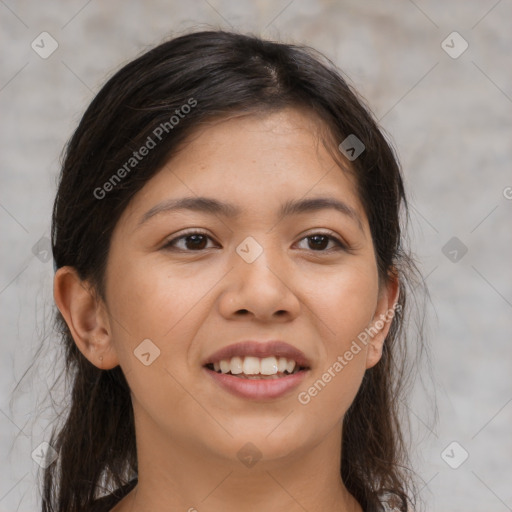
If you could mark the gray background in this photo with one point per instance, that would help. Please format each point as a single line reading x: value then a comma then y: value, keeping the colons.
x: 450, y: 119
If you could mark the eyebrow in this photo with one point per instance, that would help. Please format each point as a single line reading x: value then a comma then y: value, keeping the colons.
x: 214, y: 207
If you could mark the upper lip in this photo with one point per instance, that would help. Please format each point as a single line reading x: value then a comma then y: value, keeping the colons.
x: 259, y: 349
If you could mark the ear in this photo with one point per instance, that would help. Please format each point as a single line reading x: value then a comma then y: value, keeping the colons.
x: 86, y: 318
x: 381, y: 322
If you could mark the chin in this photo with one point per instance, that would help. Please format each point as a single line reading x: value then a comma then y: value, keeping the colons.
x: 251, y: 443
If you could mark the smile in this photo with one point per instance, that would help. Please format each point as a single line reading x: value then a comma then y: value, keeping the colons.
x: 257, y: 370
x: 251, y: 367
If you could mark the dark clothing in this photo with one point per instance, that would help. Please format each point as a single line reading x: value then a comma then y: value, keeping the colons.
x: 106, y: 503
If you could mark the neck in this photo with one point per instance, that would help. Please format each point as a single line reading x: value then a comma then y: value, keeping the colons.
x: 185, y: 476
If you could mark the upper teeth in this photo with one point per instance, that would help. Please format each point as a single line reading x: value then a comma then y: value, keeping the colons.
x: 250, y: 365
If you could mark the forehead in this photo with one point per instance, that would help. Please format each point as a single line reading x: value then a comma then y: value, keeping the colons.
x: 257, y: 162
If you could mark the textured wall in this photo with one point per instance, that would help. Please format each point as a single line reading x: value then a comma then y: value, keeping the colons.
x: 446, y: 107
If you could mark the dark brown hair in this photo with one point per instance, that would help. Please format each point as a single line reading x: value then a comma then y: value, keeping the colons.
x: 218, y: 74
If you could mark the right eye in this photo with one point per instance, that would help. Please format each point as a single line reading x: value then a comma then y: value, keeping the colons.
x: 194, y: 241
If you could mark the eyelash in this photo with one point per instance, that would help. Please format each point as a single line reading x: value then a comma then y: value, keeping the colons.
x: 169, y: 245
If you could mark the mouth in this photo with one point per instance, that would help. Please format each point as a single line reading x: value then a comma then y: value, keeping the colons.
x: 257, y: 370
x: 250, y: 367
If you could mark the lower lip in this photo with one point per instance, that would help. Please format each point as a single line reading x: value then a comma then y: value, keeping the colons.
x: 258, y: 389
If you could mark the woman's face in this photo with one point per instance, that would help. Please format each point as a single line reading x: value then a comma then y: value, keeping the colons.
x: 173, y: 301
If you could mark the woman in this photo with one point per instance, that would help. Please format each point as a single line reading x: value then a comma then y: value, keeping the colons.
x: 231, y: 285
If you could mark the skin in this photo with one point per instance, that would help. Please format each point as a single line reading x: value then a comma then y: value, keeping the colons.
x: 190, y: 304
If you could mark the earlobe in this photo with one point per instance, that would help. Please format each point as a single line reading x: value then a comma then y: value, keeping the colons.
x: 85, y: 318
x: 381, y: 323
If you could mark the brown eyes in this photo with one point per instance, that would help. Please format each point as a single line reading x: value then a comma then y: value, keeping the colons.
x: 196, y: 241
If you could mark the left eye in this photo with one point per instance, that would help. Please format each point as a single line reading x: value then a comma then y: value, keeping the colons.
x: 196, y: 241
x: 319, y: 240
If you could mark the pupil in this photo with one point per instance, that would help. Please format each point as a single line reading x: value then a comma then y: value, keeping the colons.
x: 195, y: 245
x: 316, y: 238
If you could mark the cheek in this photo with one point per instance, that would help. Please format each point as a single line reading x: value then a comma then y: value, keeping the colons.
x: 344, y: 306
x: 148, y: 317
x: 345, y: 302
x: 148, y: 302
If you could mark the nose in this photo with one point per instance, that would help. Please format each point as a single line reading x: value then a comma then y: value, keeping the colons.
x: 263, y: 290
